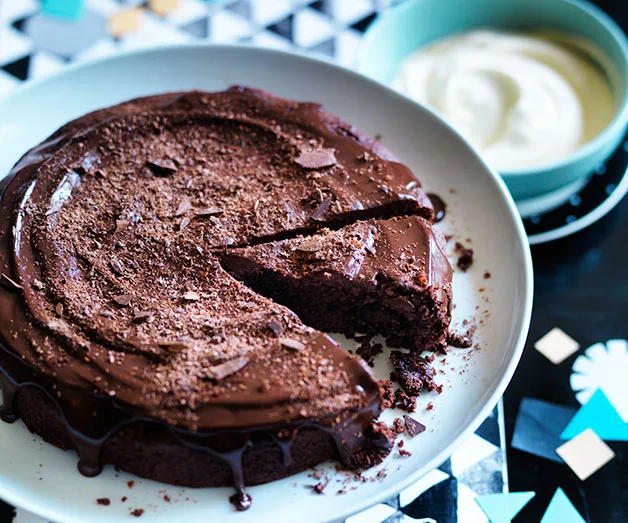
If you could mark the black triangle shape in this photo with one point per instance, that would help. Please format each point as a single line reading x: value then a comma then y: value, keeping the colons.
x: 439, y: 502
x: 19, y: 23
x: 198, y: 28
x: 242, y: 8
x: 7, y: 512
x: 361, y: 25
x: 327, y: 47
x: 489, y: 430
x: 18, y: 68
x: 283, y: 27
x: 322, y: 6
x: 445, y: 467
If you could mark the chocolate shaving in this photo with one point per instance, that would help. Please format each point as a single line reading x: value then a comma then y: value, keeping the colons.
x: 123, y: 300
x: 210, y: 211
x: 10, y: 284
x: 121, y: 225
x: 309, y: 245
x: 184, y: 223
x: 142, y: 316
x: 322, y: 209
x: 117, y: 266
x: 106, y: 314
x: 316, y: 159
x: 38, y: 284
x: 221, y: 371
x: 290, y: 343
x: 275, y: 327
x: 184, y: 207
x: 174, y: 346
x: 59, y: 309
x: 161, y: 167
x: 191, y: 296
x: 413, y: 426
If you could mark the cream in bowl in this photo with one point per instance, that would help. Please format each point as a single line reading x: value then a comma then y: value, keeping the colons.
x: 522, y: 99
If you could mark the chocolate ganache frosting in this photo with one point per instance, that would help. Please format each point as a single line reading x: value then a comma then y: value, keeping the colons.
x: 122, y: 335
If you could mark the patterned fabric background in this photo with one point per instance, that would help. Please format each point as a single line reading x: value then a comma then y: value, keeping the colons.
x: 34, y: 44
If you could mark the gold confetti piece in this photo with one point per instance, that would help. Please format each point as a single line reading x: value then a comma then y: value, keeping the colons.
x: 556, y: 346
x: 585, y: 454
x: 123, y: 22
x: 163, y: 7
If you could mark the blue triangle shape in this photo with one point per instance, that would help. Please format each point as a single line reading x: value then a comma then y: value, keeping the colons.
x: 600, y: 415
x: 561, y: 510
x: 501, y: 508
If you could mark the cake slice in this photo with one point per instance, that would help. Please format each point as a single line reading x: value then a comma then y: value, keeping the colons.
x: 387, y: 277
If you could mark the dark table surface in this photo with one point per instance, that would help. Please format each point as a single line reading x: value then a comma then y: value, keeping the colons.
x: 581, y: 286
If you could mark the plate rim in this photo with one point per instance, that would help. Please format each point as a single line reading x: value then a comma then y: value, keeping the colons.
x: 526, y: 285
x: 599, y: 212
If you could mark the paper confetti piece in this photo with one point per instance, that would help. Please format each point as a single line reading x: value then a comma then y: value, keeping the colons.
x: 561, y: 510
x: 585, y: 454
x: 600, y: 415
x: 70, y: 10
x: 123, y: 22
x: 539, y: 426
x: 163, y: 7
x: 557, y: 346
x: 617, y: 394
x: 603, y: 366
x: 501, y: 508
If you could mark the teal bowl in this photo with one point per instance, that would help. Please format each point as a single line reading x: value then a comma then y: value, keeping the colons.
x: 401, y: 30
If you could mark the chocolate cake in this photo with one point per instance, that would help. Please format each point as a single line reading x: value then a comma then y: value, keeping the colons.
x: 124, y: 337
x: 387, y: 277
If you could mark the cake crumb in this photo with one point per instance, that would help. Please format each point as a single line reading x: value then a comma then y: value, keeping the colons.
x: 404, y: 402
x: 413, y: 373
x: 465, y: 257
x: 130, y: 484
x: 398, y: 427
x: 368, y: 351
x: 319, y: 487
x: 137, y: 512
x: 387, y: 393
x: 103, y: 501
x: 486, y: 275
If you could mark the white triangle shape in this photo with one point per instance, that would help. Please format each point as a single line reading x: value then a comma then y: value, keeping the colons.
x: 311, y: 28
x: 43, y: 64
x: 265, y: 12
x: 352, y: 11
x: 13, y: 45
x: 188, y: 11
x: 227, y: 27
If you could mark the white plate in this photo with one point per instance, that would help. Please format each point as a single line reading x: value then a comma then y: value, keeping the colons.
x: 44, y: 480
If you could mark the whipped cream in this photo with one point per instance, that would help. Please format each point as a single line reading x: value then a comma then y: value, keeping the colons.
x: 523, y: 100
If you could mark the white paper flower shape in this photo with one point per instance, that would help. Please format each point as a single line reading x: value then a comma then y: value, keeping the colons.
x: 603, y: 366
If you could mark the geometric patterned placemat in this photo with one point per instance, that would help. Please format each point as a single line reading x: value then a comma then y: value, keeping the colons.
x: 33, y: 45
